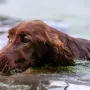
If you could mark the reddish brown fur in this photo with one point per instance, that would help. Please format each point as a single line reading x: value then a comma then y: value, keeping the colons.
x: 35, y: 43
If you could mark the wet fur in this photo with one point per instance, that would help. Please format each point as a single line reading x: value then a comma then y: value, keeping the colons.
x: 45, y: 45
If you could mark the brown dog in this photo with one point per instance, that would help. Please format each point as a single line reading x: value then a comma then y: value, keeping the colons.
x: 35, y: 43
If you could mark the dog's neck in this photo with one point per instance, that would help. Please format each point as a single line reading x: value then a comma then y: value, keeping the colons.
x: 80, y: 48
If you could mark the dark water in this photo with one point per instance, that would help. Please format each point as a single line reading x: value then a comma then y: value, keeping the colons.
x: 47, y: 78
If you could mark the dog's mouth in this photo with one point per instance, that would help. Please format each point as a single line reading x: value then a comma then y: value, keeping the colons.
x: 12, y: 69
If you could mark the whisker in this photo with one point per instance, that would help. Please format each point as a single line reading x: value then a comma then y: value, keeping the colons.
x: 8, y: 69
x: 4, y: 68
x: 1, y: 62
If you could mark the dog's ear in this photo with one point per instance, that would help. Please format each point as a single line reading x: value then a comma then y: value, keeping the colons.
x: 40, y: 39
x: 62, y: 55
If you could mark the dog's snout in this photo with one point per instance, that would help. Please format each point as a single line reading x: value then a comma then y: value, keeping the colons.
x: 3, y: 62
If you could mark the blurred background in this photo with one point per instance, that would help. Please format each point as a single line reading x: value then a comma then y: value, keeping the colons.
x: 72, y: 15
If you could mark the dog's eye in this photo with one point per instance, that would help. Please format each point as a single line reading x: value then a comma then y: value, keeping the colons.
x: 24, y: 39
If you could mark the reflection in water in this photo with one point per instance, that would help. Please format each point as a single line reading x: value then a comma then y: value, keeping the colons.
x: 13, y: 87
x: 40, y: 85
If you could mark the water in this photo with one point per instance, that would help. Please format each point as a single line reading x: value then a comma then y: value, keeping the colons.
x: 71, y: 17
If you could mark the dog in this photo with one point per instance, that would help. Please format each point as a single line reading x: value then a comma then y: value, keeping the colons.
x: 34, y: 43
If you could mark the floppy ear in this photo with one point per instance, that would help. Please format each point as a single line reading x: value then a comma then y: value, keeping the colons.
x: 39, y: 47
x: 58, y: 53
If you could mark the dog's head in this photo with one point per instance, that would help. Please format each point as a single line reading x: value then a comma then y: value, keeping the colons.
x: 25, y: 46
x: 31, y: 44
